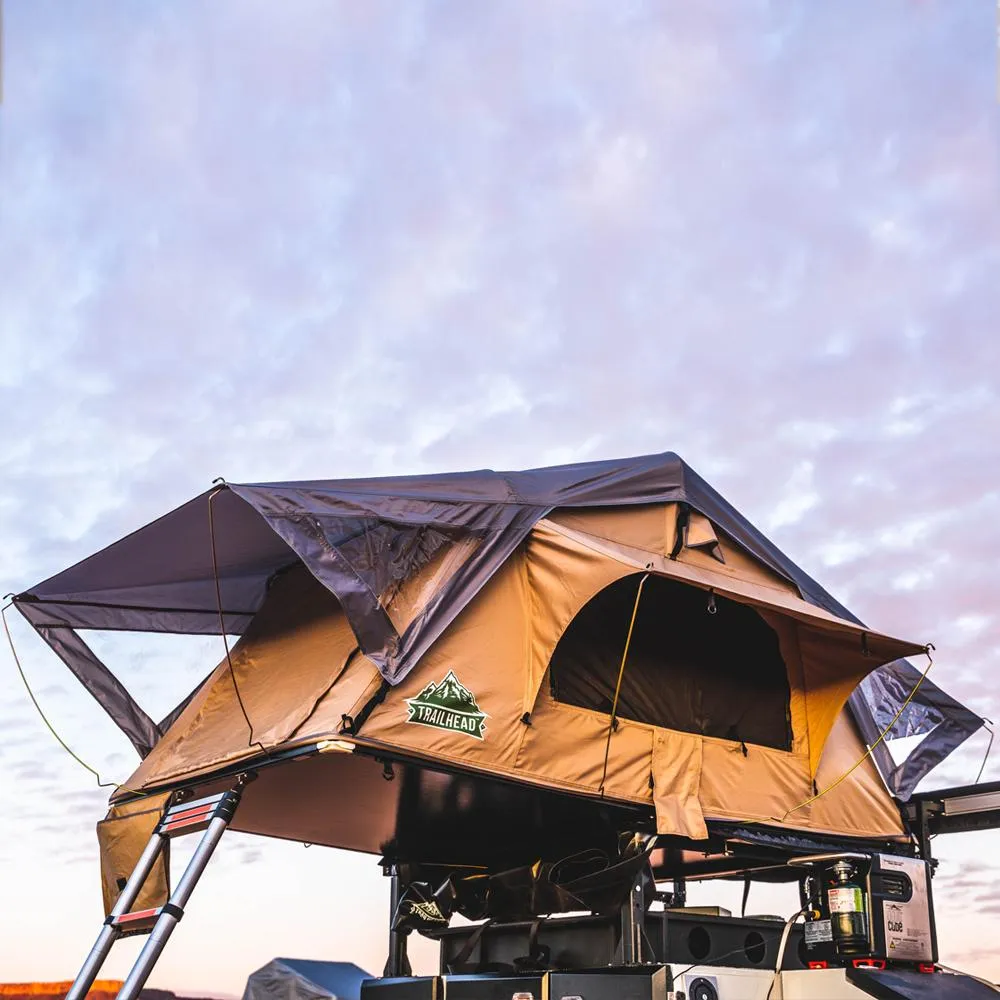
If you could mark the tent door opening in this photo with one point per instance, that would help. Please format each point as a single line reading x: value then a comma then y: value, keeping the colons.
x: 698, y: 662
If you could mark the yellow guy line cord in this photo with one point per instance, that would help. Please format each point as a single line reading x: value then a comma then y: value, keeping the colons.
x: 44, y: 717
x: 251, y: 742
x: 868, y: 752
x: 222, y: 626
x: 618, y: 685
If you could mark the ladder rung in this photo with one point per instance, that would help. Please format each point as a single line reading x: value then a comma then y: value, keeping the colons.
x: 186, y: 817
x: 209, y: 801
x: 187, y: 825
x: 137, y: 922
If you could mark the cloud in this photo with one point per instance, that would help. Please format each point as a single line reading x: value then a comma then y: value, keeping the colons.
x: 361, y: 239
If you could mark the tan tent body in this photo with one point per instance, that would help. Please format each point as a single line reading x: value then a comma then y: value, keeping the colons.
x: 299, y: 674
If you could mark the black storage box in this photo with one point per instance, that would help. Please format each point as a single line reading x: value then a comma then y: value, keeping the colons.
x: 622, y: 983
x: 403, y: 988
x: 494, y: 987
x: 589, y: 942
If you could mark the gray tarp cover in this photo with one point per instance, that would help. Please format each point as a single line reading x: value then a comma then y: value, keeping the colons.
x: 359, y: 537
x: 302, y: 979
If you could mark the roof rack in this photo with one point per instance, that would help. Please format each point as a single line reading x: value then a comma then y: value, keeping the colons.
x: 961, y: 809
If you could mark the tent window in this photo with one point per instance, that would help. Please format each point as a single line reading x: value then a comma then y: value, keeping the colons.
x: 716, y: 674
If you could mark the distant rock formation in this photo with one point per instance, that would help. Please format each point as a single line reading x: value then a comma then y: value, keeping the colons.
x: 103, y: 989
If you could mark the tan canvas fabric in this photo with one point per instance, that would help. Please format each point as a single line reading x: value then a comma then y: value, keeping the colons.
x: 701, y: 535
x: 768, y: 786
x: 565, y: 745
x: 122, y: 837
x: 295, y: 648
x: 835, y: 654
x: 787, y: 632
x: 832, y: 668
x: 356, y: 684
x: 651, y: 528
x: 756, y: 787
x: 410, y: 597
x: 485, y: 650
x: 860, y: 805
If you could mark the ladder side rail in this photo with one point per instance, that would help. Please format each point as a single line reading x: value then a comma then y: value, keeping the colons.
x: 110, y: 932
x: 171, y: 914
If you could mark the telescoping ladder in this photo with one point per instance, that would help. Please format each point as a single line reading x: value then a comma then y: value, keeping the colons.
x: 213, y: 815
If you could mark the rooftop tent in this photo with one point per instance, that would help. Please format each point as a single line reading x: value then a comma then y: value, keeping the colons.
x: 302, y: 979
x: 470, y: 635
x: 367, y: 541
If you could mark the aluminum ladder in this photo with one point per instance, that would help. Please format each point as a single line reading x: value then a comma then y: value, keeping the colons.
x: 213, y: 815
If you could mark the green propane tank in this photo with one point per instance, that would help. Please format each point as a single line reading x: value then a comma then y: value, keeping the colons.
x: 848, y: 912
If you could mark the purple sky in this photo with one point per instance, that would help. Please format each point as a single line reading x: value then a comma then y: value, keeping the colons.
x: 317, y: 238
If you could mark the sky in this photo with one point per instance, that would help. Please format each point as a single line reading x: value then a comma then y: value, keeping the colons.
x: 322, y: 238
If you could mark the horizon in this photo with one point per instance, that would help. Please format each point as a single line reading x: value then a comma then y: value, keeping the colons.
x: 350, y: 240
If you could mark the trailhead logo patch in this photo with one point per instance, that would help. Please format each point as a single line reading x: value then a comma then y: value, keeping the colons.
x: 449, y: 705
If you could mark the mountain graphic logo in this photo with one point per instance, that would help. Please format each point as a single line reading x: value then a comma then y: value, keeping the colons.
x: 449, y: 705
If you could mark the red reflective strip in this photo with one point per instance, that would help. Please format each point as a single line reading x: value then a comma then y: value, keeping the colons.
x: 868, y: 963
x: 172, y: 824
x: 926, y: 967
x: 192, y: 825
x: 819, y: 965
x: 172, y: 817
x: 127, y: 918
